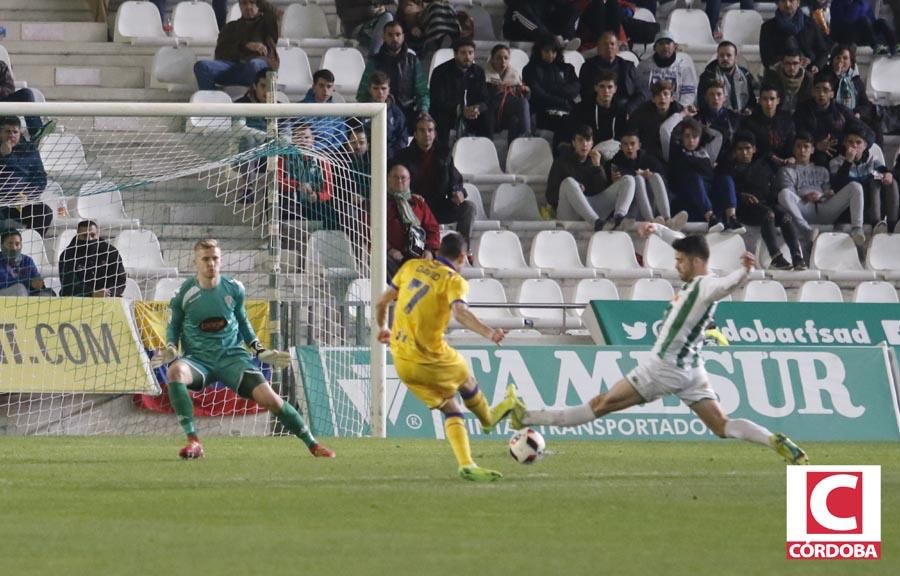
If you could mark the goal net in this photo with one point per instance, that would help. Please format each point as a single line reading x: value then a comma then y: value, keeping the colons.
x: 288, y: 190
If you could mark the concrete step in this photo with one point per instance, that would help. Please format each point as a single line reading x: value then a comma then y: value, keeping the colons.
x: 45, y: 31
x: 153, y: 213
x: 104, y: 94
x: 73, y: 13
x: 219, y: 231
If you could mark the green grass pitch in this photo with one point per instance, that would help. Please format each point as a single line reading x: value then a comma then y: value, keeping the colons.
x: 263, y: 506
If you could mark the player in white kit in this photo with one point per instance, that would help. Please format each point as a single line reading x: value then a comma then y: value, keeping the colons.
x: 676, y: 366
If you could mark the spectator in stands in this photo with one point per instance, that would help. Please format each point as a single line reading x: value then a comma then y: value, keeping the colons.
x: 714, y: 7
x: 19, y: 275
x: 412, y: 229
x: 408, y: 14
x: 8, y: 93
x: 579, y: 189
x: 380, y: 92
x: 667, y: 64
x: 754, y: 183
x: 851, y: 88
x: 648, y: 172
x: 305, y: 182
x: 857, y: 163
x: 244, y: 47
x: 628, y: 95
x: 772, y: 128
x: 554, y: 87
x: 791, y: 79
x: 364, y: 20
x: 740, y: 85
x: 805, y: 191
x: 91, y: 266
x: 602, y: 113
x: 649, y: 117
x: 408, y: 78
x: 716, y: 115
x: 791, y: 27
x: 532, y: 20
x: 360, y: 165
x: 330, y: 131
x: 22, y: 180
x: 508, y: 102
x: 257, y: 93
x: 459, y: 95
x: 694, y: 185
x: 854, y: 22
x: 434, y: 176
x: 440, y: 27
x: 597, y: 18
x: 825, y: 119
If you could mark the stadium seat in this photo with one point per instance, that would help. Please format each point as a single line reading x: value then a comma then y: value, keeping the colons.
x: 359, y: 296
x: 515, y: 207
x: 305, y: 25
x: 764, y: 261
x: 612, y: 255
x: 630, y: 56
x: 140, y: 23
x: 490, y: 291
x: 644, y: 15
x: 173, y: 66
x: 545, y: 291
x: 61, y: 242
x: 166, y: 288
x: 102, y: 202
x: 725, y: 250
x: 53, y: 283
x: 132, y: 290
x: 690, y: 28
x: 63, y: 157
x: 741, y: 27
x: 347, y: 64
x: 518, y: 59
x: 574, y: 58
x: 294, y: 73
x: 500, y: 254
x: 329, y: 254
x: 209, y: 123
x: 476, y: 159
x: 142, y: 254
x: 54, y: 197
x: 652, y: 289
x: 660, y: 257
x: 883, y: 256
x: 883, y: 85
x: 529, y: 159
x: 440, y: 56
x: 33, y: 246
x: 196, y: 23
x: 764, y: 291
x: 555, y: 252
x: 594, y: 289
x: 876, y: 291
x: 234, y: 13
x: 835, y: 255
x: 819, y: 291
x: 484, y: 26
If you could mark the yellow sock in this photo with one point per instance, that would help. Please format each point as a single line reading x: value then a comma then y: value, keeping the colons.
x: 477, y: 405
x: 455, y: 428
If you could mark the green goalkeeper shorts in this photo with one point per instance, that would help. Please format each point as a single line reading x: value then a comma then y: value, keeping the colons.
x: 229, y: 370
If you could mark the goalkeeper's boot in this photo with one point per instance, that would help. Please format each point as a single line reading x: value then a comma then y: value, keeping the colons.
x: 503, y: 408
x: 788, y: 450
x: 475, y: 474
x: 320, y: 451
x: 192, y: 451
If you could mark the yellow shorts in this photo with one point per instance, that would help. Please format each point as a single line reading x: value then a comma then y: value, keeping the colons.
x: 436, y: 382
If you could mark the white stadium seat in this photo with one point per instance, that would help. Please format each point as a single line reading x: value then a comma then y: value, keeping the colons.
x: 61, y: 242
x: 612, y: 254
x: 140, y: 23
x: 500, y: 254
x: 555, y: 252
x: 166, y: 288
x: 883, y: 256
x: 142, y: 254
x: 234, y: 13
x: 63, y: 157
x: 819, y: 291
x: 359, y: 292
x: 173, y: 66
x: 659, y: 257
x: 595, y: 289
x: 765, y: 291
x: 835, y: 255
x: 741, y: 27
x: 545, y: 291
x: 630, y: 56
x: 484, y: 27
x: 33, y: 246
x: 529, y: 159
x: 490, y: 291
x: 209, y: 123
x: 518, y: 59
x: 725, y: 250
x: 102, y: 202
x: 690, y: 28
x: 476, y: 159
x: 574, y: 58
x: 306, y: 25
x: 329, y: 254
x: 347, y: 64
x: 883, y: 85
x: 515, y: 206
x: 294, y: 73
x: 440, y: 56
x: 132, y: 290
x: 876, y: 291
x: 195, y: 22
x: 652, y: 289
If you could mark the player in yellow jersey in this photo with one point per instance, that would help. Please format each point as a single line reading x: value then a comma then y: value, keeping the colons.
x: 426, y: 291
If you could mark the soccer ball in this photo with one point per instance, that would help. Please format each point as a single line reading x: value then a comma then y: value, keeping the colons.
x: 526, y: 446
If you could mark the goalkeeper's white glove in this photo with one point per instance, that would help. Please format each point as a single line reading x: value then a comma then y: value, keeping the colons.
x: 164, y: 357
x: 276, y: 358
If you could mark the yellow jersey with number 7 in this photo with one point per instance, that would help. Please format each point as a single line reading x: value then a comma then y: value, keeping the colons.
x: 426, y: 291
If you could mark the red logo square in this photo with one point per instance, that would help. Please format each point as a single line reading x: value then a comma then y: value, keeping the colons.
x: 834, y: 502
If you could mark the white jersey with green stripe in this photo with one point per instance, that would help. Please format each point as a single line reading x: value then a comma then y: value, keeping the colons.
x: 681, y: 335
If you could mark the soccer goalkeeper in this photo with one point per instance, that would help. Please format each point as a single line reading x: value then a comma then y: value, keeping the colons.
x: 210, y: 322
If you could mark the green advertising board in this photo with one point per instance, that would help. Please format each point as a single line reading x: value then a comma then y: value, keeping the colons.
x: 833, y: 393
x: 632, y: 323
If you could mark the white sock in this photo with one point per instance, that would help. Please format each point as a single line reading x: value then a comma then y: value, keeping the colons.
x: 747, y: 430
x: 574, y: 416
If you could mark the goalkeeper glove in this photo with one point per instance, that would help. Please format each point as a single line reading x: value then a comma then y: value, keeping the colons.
x: 276, y: 358
x: 164, y: 357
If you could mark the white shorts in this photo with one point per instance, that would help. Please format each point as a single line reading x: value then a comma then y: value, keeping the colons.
x: 655, y: 378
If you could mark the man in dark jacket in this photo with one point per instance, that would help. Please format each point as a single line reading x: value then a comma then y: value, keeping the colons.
x: 826, y: 120
x: 528, y: 20
x: 363, y: 20
x: 788, y: 25
x: 772, y: 128
x: 459, y: 94
x: 409, y: 80
x: 627, y: 94
x: 740, y: 85
x: 91, y: 266
x: 22, y: 180
x: 716, y: 115
x: 602, y: 113
x: 649, y: 117
x: 434, y: 177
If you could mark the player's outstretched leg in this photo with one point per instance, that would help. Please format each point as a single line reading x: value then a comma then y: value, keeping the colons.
x: 184, y: 410
x: 511, y: 406
x: 293, y: 421
x: 792, y: 453
x: 455, y: 428
x: 475, y: 401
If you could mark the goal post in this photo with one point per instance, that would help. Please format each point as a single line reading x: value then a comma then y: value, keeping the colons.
x: 126, y: 166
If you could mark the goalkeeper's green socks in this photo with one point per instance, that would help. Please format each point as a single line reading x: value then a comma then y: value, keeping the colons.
x: 184, y: 407
x: 293, y: 421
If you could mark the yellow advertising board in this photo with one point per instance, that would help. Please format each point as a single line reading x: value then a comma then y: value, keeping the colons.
x: 86, y: 345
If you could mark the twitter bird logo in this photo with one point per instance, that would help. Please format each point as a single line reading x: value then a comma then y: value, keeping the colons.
x: 636, y: 331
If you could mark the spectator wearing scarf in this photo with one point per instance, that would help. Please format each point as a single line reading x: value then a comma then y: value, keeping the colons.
x: 405, y: 209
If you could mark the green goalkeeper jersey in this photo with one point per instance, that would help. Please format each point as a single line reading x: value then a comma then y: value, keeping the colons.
x: 210, y: 323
